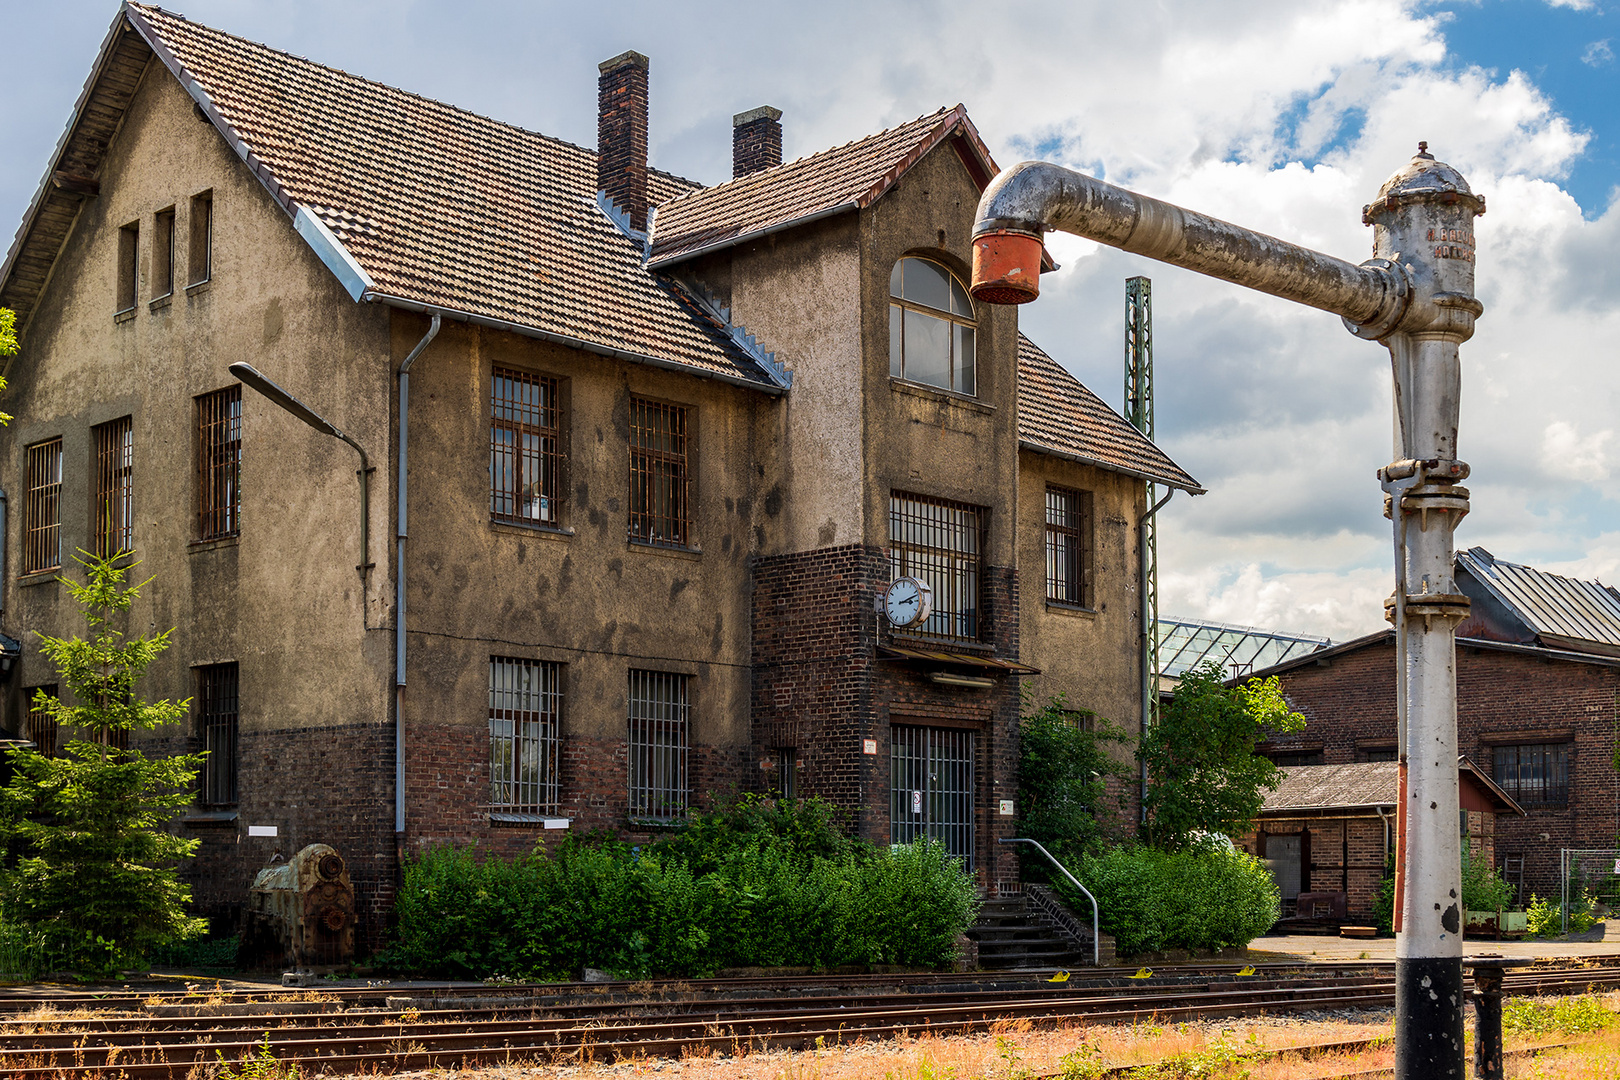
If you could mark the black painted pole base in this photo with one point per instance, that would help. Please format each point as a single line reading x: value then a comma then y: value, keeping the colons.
x: 1429, y: 1018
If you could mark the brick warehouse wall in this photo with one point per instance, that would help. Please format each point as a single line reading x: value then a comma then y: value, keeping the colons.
x: 821, y: 689
x: 343, y: 797
x: 1501, y: 698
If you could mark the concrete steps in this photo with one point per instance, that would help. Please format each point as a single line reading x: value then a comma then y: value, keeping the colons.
x: 1011, y: 937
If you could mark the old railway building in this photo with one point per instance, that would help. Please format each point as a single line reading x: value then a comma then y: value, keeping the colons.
x: 634, y: 508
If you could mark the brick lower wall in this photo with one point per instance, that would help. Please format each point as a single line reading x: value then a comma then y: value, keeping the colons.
x: 317, y: 785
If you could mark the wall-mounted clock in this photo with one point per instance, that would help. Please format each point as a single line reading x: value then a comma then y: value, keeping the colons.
x: 908, y: 602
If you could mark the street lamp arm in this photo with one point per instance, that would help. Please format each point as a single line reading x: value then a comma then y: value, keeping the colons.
x: 251, y: 376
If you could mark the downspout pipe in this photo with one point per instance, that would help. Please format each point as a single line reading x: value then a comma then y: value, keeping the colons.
x: 1147, y: 634
x: 399, y: 572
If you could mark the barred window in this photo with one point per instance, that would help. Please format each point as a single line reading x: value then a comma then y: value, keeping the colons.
x: 219, y: 463
x: 1536, y: 774
x: 115, y: 490
x: 658, y: 474
x: 525, y: 448
x: 218, y: 708
x: 525, y: 706
x: 660, y: 713
x: 931, y: 327
x: 42, y: 728
x: 1068, y: 546
x: 42, y: 509
x: 931, y: 788
x: 939, y: 542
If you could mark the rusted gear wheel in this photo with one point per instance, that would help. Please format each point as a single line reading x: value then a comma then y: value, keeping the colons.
x: 334, y: 919
x: 330, y: 866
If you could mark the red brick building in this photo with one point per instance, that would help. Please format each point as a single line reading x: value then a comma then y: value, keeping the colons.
x: 1538, y: 708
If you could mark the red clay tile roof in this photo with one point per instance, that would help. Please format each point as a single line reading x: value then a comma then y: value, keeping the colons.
x: 443, y: 208
x: 1058, y: 415
x: 848, y: 177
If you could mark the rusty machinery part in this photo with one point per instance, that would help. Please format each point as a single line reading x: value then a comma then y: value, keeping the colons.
x: 330, y: 866
x: 334, y: 918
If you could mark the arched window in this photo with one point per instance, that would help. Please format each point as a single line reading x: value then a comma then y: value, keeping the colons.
x: 930, y: 326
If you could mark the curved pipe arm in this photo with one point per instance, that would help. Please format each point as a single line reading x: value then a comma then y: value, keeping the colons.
x: 1035, y: 197
x: 1096, y: 933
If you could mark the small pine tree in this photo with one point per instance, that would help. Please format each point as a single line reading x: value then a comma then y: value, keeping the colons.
x: 94, y: 867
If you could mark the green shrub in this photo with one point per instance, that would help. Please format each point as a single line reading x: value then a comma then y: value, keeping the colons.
x: 1066, y: 759
x: 1151, y: 900
x: 728, y: 897
x: 1483, y: 887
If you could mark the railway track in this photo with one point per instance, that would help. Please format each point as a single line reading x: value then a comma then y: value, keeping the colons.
x: 386, y: 1029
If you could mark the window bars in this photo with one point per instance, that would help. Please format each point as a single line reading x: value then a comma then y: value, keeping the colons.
x: 931, y: 788
x: 115, y: 488
x: 525, y: 707
x: 219, y: 463
x: 659, y: 720
x: 42, y: 727
x: 525, y: 448
x: 939, y: 542
x: 42, y: 509
x: 659, y: 483
x: 1537, y: 774
x: 217, y: 700
x: 1068, y: 546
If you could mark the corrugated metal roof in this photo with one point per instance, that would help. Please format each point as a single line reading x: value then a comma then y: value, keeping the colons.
x: 1183, y: 644
x: 1550, y: 604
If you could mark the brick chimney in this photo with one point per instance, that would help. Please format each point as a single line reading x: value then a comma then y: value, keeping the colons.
x: 621, y: 134
x: 756, y: 140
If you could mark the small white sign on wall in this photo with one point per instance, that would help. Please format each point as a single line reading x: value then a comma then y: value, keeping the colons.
x: 261, y: 830
x: 869, y: 746
x: 916, y: 802
x: 1006, y: 808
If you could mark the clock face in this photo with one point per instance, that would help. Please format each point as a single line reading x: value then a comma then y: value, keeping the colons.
x: 908, y: 602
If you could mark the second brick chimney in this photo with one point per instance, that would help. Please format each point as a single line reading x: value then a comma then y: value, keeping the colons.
x: 621, y: 135
x: 756, y: 140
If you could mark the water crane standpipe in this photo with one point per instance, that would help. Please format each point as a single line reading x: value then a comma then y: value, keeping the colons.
x: 1416, y: 296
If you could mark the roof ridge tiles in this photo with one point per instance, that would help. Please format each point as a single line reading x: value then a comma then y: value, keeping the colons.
x: 145, y: 9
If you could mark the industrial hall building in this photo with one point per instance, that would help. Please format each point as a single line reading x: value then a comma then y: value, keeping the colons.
x: 674, y: 491
x: 1538, y: 713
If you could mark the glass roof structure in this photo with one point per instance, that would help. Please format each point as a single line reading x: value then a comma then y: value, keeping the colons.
x: 1241, y: 650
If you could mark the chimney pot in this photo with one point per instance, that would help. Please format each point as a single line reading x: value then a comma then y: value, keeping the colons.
x: 621, y: 134
x: 756, y: 140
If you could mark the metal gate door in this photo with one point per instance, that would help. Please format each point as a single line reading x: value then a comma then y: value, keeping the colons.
x: 931, y: 788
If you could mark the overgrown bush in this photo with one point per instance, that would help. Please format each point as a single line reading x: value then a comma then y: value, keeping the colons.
x: 1066, y: 758
x: 760, y: 886
x: 1483, y: 887
x: 1200, y: 898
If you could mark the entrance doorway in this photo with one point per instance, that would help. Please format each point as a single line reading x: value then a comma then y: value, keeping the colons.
x: 931, y: 787
x: 1283, y: 860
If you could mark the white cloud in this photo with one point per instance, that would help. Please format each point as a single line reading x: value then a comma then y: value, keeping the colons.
x: 1598, y: 53
x: 1569, y: 455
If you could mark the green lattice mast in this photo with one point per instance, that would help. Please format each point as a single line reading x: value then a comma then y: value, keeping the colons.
x: 1139, y: 411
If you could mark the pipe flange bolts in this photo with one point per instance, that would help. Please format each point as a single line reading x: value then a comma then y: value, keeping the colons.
x: 1430, y: 606
x: 1392, y: 310
x: 330, y: 866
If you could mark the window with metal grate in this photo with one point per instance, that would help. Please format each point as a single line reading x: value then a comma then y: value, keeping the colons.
x: 525, y: 708
x: 660, y: 713
x: 659, y: 478
x: 115, y: 487
x: 931, y: 787
x: 42, y: 727
x: 1536, y: 774
x: 219, y: 464
x: 42, y: 509
x: 939, y: 542
x: 525, y: 449
x: 218, y: 706
x: 1068, y: 546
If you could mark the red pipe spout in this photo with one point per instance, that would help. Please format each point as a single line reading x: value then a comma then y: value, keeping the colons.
x: 1006, y: 267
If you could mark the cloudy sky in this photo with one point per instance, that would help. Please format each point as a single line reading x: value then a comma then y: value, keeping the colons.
x: 1283, y: 115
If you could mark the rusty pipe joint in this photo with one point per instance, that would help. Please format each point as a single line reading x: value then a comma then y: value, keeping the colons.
x: 1033, y: 198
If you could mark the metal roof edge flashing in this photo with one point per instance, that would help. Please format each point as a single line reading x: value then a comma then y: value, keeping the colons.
x: 1140, y: 474
x: 330, y: 250
x: 621, y: 221
x: 375, y: 297
x: 745, y: 341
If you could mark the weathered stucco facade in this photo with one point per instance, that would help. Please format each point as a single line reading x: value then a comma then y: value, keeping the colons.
x: 763, y: 609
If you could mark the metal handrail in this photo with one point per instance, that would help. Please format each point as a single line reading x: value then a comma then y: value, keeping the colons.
x: 1096, y: 932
